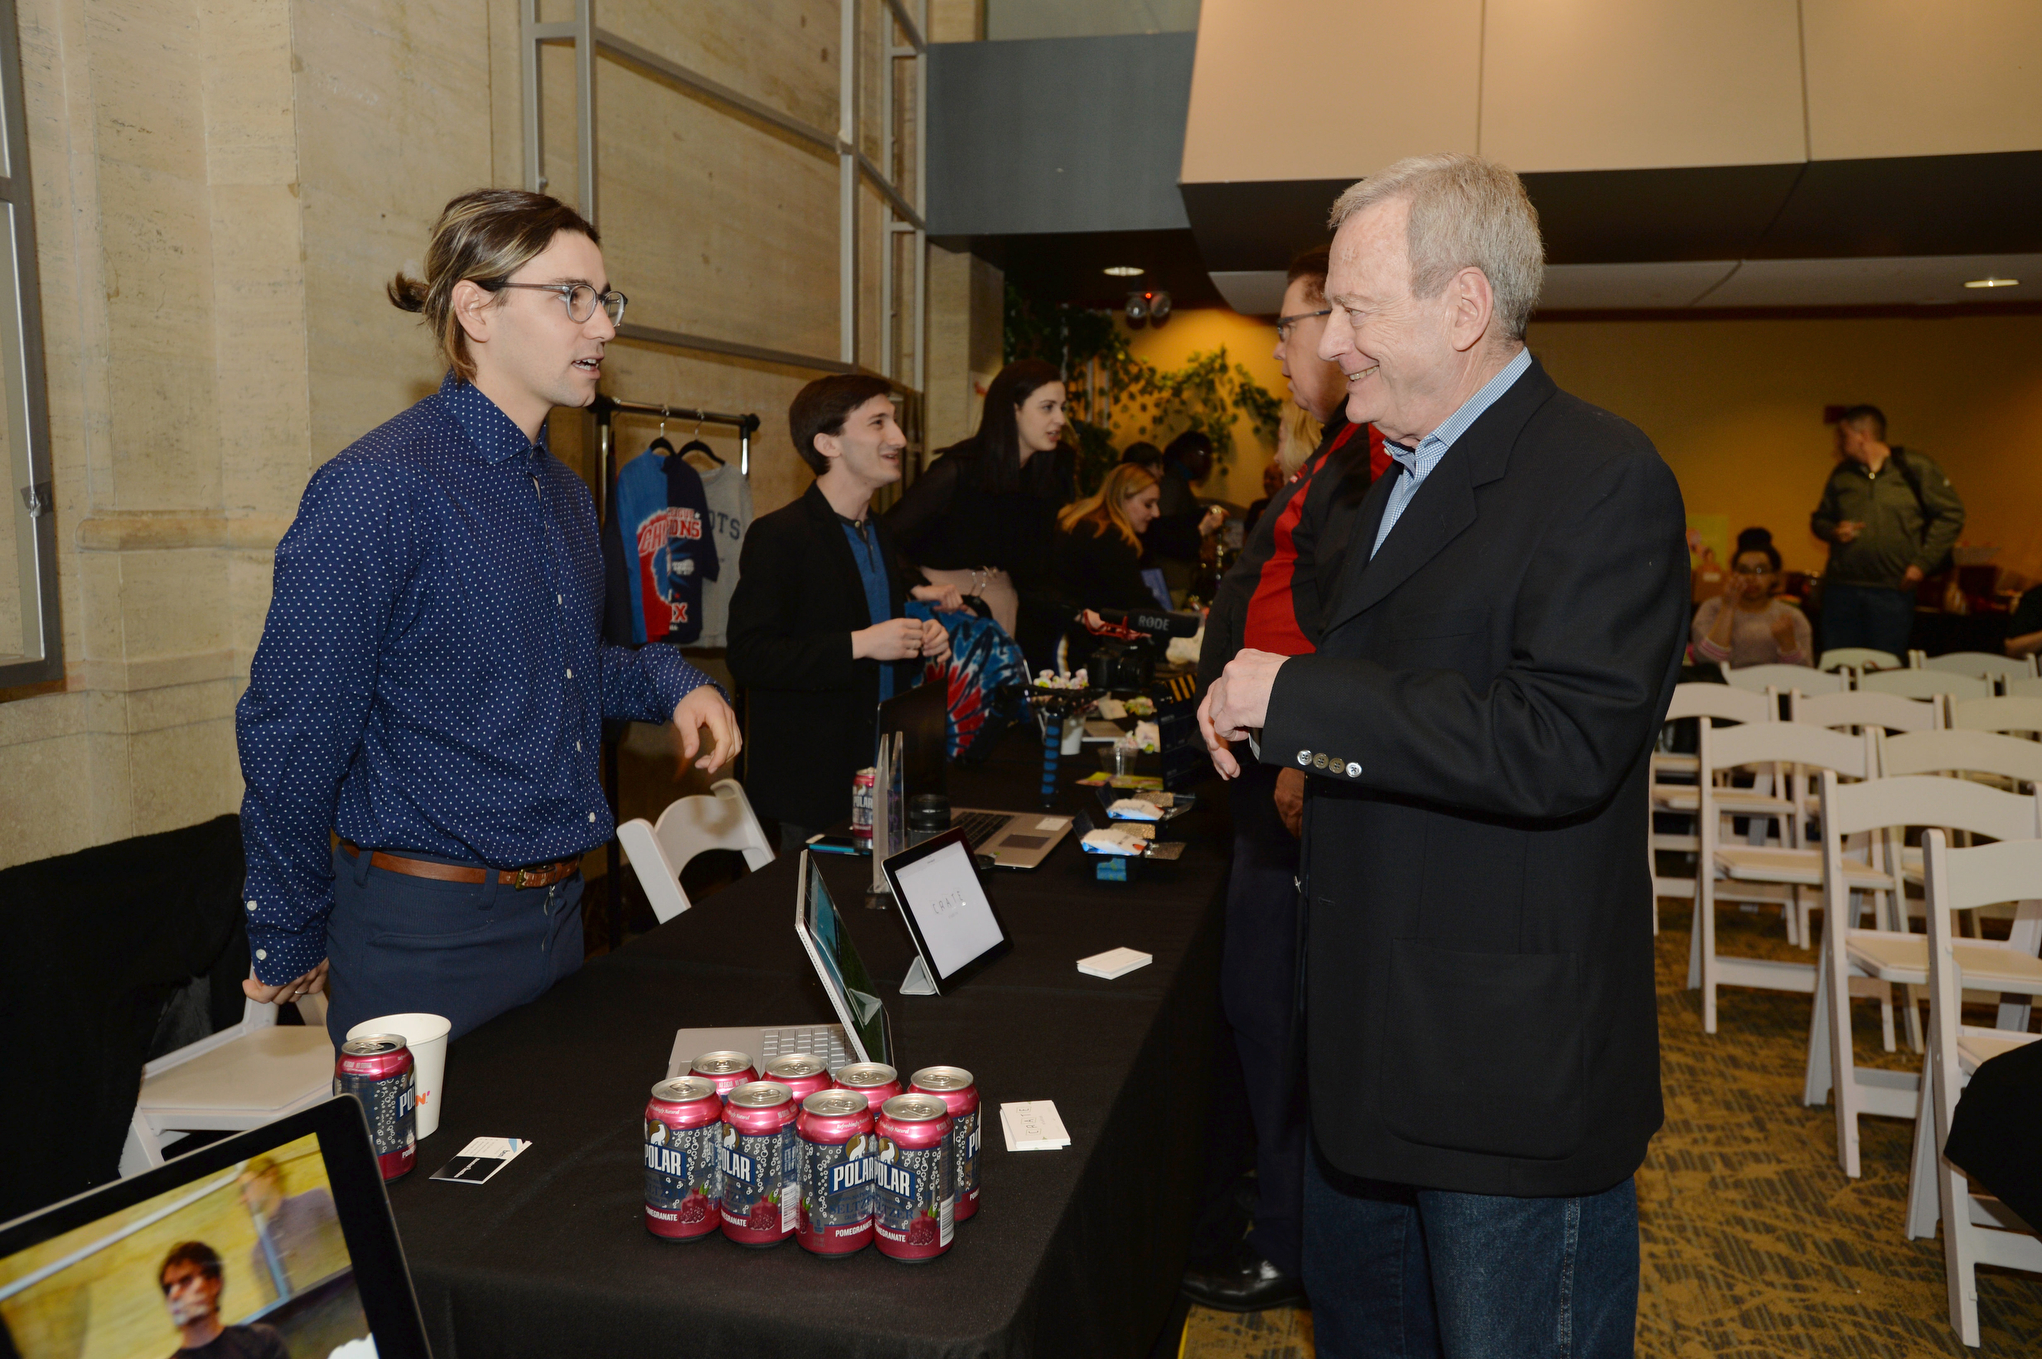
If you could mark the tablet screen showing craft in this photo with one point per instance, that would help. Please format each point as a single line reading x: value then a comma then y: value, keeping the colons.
x: 950, y: 906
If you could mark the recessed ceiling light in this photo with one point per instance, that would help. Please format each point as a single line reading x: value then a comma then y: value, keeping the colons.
x: 1134, y: 271
x: 1993, y: 283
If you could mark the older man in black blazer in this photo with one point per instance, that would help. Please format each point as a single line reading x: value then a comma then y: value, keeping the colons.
x: 1481, y: 1030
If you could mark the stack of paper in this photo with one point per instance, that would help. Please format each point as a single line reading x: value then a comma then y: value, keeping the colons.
x: 1115, y: 962
x: 1033, y: 1126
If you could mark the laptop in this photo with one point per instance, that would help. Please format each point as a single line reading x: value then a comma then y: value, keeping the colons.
x: 1010, y: 839
x: 863, y: 1032
x: 280, y: 1236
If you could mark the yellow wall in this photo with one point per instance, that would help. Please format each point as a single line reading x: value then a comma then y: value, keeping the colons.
x: 1248, y: 342
x: 1735, y: 406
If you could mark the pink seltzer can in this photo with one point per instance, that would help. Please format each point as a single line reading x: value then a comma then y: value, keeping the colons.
x: 835, y: 1142
x: 724, y: 1070
x: 802, y: 1073
x: 876, y: 1081
x: 913, y: 1191
x: 683, y: 1123
x: 759, y: 1164
x: 959, y: 1093
x: 377, y: 1070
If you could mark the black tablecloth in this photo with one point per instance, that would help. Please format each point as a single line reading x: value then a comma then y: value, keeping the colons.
x: 1076, y: 1251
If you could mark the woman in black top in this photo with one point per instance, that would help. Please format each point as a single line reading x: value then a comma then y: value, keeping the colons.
x: 983, y: 516
x: 1097, y: 560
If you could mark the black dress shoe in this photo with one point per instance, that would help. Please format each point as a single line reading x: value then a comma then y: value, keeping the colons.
x: 1245, y: 1283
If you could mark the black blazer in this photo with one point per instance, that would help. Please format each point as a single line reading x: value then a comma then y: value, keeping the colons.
x: 1094, y: 568
x: 1480, y: 1011
x: 811, y: 711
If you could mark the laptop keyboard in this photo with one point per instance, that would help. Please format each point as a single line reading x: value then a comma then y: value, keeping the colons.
x: 979, y: 827
x: 826, y: 1043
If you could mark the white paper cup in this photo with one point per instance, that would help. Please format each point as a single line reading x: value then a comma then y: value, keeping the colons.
x: 426, y: 1036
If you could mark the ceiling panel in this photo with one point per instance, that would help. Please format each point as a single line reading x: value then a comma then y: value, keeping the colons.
x: 1903, y: 281
x: 1626, y: 287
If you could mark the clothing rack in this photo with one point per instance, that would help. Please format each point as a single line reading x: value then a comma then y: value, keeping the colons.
x: 606, y: 409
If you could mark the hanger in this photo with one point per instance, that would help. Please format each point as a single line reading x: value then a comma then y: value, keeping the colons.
x: 695, y: 445
x: 660, y: 444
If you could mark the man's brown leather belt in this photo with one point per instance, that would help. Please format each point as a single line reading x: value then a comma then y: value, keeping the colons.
x: 538, y: 875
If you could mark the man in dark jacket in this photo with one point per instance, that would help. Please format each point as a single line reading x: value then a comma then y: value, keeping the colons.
x: 1890, y: 518
x: 1481, y: 1025
x: 817, y: 636
x: 1271, y: 600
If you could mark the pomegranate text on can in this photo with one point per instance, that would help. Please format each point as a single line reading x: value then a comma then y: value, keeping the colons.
x: 802, y: 1073
x: 724, y: 1070
x: 683, y: 1126
x: 756, y: 1156
x: 959, y: 1093
x: 377, y: 1070
x: 876, y: 1081
x: 835, y: 1142
x: 913, y: 1194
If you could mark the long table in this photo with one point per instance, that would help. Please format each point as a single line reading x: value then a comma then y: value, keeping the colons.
x: 1077, y: 1251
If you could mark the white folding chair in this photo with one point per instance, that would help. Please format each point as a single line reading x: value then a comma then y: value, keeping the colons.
x: 1977, y: 1229
x: 718, y: 819
x: 1890, y: 954
x: 1783, y: 745
x: 1925, y: 683
x: 1753, y: 678
x: 2024, y: 688
x: 2017, y: 712
x: 1981, y: 665
x: 1862, y: 708
x: 241, y: 1077
x: 1703, y: 702
x: 1858, y: 658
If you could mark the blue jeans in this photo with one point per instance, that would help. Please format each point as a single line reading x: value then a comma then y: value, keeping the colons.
x: 1401, y: 1273
x: 1867, y: 615
x: 405, y: 945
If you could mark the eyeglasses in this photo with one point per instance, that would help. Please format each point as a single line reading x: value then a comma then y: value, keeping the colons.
x: 1286, y: 324
x: 581, y: 299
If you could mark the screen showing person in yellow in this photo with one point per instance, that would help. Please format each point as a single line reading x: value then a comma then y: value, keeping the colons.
x: 248, y: 1264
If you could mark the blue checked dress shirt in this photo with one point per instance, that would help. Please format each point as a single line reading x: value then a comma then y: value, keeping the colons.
x: 432, y: 675
x: 1418, y: 462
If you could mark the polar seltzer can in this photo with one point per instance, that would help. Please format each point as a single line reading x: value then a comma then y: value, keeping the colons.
x: 724, y: 1070
x: 683, y: 1127
x: 959, y: 1093
x: 760, y: 1168
x: 913, y: 1192
x: 835, y: 1142
x: 802, y: 1073
x: 876, y: 1081
x: 377, y: 1070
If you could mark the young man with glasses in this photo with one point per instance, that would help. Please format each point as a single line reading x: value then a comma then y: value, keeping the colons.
x: 431, y: 683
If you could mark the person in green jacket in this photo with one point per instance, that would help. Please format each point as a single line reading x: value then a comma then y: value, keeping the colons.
x: 1890, y: 518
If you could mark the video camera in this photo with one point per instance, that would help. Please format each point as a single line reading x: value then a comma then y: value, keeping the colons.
x: 1130, y: 641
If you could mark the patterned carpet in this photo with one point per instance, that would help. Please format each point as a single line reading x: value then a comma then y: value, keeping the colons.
x: 1754, y: 1243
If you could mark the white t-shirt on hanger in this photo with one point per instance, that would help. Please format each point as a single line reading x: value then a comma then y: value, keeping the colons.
x: 729, y: 493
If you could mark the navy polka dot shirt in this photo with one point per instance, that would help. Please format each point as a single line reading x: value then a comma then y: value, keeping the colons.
x: 432, y: 675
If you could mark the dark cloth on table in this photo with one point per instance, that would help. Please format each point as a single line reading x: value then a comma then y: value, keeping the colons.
x: 810, y: 708
x: 254, y: 1341
x: 97, y: 944
x: 2027, y: 614
x: 1480, y: 1012
x: 1075, y: 1252
x: 432, y: 675
x: 1993, y: 1136
x: 1096, y: 568
x: 401, y: 944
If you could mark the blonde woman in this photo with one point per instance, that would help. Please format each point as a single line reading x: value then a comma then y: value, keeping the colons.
x: 1096, y: 561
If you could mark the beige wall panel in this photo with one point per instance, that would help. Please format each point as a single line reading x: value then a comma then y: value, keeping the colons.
x: 949, y: 371
x: 782, y: 53
x: 172, y: 603
x: 1963, y: 389
x: 183, y: 775
x: 1903, y: 78
x: 1329, y: 89
x: 251, y: 127
x: 259, y: 350
x: 47, y: 807
x: 159, y: 332
x: 394, y: 119
x: 146, y: 83
x: 1631, y: 84
x: 956, y: 20
x: 715, y: 227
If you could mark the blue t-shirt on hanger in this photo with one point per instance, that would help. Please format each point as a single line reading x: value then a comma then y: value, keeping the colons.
x: 661, y: 520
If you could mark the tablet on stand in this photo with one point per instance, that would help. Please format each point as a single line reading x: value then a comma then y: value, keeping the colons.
x: 944, y: 905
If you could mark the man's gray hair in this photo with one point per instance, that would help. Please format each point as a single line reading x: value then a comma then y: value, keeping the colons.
x: 1465, y: 211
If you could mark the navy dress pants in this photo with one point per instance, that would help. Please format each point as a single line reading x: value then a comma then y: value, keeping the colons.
x: 1259, y: 989
x: 400, y: 945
